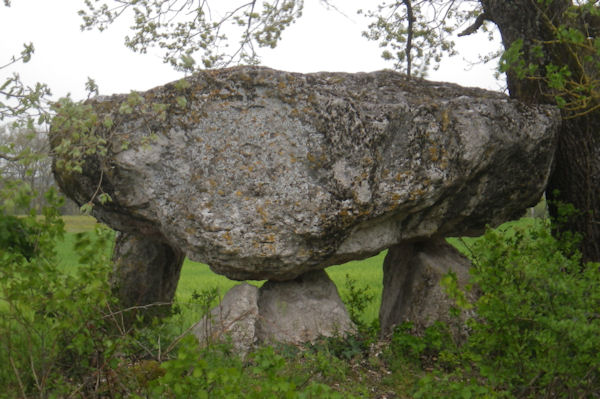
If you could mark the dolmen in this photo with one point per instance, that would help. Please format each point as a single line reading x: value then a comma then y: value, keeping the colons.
x: 270, y: 175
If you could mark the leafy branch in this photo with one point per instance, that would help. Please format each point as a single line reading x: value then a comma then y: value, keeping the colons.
x: 573, y: 84
x: 416, y: 34
x: 186, y: 30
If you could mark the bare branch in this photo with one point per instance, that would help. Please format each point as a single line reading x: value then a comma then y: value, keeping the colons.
x: 11, y: 158
x: 409, y: 35
x: 476, y: 25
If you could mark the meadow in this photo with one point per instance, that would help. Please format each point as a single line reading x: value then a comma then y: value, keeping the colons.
x: 535, y: 334
x: 197, y: 277
x: 366, y: 275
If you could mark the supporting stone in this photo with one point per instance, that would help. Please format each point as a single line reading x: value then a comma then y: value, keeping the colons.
x: 412, y: 292
x: 301, y: 310
x: 293, y: 312
x: 146, y: 271
x: 235, y: 317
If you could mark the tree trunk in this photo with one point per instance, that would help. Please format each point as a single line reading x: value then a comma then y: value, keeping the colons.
x: 576, y: 181
x: 576, y: 175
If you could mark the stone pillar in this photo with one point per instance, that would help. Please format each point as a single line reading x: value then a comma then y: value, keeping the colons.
x: 411, y: 285
x: 146, y: 271
x: 301, y: 310
x: 294, y: 312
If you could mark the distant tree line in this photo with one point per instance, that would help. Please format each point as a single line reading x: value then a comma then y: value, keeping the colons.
x: 28, y: 168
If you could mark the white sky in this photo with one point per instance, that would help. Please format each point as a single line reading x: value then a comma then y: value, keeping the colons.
x: 323, y: 40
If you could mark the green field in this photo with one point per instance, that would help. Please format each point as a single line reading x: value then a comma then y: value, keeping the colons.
x: 197, y: 276
x: 529, y: 289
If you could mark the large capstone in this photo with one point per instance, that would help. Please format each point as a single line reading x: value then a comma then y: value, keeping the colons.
x: 264, y: 174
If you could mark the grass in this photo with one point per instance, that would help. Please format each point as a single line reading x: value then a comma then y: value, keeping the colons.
x: 79, y: 223
x: 359, y: 365
x: 196, y: 277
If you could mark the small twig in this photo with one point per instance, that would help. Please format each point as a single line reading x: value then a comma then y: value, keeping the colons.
x: 476, y: 25
x: 99, y: 187
x: 11, y: 158
x: 137, y: 307
x: 35, y: 377
x: 12, y: 363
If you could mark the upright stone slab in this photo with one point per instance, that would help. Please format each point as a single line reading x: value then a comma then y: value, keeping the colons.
x: 294, y: 312
x: 233, y: 319
x: 146, y: 272
x: 412, y: 273
x: 301, y: 310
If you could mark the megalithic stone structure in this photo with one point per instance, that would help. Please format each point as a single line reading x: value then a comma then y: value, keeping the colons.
x: 264, y: 174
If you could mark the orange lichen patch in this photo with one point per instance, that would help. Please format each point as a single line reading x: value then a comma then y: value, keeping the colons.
x: 262, y: 213
x: 227, y: 237
x: 270, y: 238
x: 311, y: 157
x: 416, y: 193
x: 433, y: 153
x: 445, y: 120
x: 402, y: 175
x: 238, y: 193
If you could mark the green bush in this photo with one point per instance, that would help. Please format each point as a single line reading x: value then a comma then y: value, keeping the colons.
x: 536, y: 333
x: 213, y: 372
x: 55, y: 327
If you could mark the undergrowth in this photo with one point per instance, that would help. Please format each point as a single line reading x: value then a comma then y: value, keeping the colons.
x: 535, y: 333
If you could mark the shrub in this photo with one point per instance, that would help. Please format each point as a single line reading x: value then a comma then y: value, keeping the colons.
x: 538, y: 318
x: 57, y: 333
x: 356, y: 300
x: 205, y: 372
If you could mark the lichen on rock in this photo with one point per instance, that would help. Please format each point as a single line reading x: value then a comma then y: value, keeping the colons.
x: 264, y: 174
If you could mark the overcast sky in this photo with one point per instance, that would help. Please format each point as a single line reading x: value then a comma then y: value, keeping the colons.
x: 323, y: 40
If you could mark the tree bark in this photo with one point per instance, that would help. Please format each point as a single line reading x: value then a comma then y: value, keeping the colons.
x: 576, y: 181
x: 576, y: 174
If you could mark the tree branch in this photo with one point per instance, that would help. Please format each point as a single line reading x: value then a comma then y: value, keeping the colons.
x: 11, y: 158
x: 409, y: 35
x: 476, y: 25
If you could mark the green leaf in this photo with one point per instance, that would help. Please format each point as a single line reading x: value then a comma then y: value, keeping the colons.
x: 181, y: 101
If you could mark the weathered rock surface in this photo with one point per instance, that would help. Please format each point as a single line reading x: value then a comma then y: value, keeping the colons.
x: 264, y: 174
x: 234, y: 318
x: 146, y: 271
x: 301, y: 310
x: 297, y: 311
x: 412, y: 273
